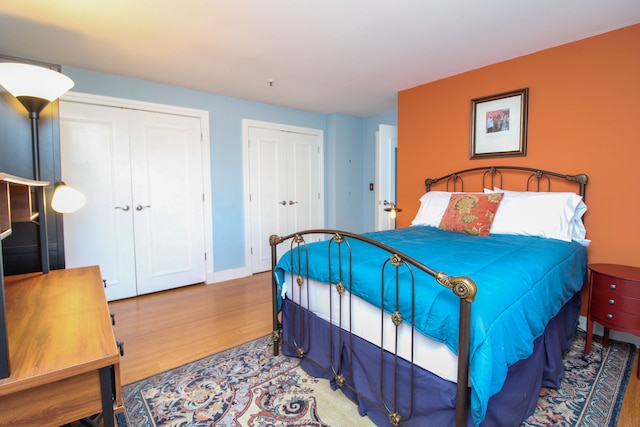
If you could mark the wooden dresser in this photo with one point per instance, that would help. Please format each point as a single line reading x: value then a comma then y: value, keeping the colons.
x: 62, y: 350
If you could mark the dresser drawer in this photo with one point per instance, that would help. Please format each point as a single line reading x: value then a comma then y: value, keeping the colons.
x: 615, y: 318
x: 615, y: 284
x: 615, y: 301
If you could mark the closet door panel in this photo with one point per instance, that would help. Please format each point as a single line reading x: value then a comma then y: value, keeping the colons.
x: 268, y: 192
x: 95, y: 160
x: 303, y: 189
x: 167, y: 200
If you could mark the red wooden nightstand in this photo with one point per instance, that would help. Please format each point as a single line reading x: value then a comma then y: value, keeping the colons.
x: 614, y: 301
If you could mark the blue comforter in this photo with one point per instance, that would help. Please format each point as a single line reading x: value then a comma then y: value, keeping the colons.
x: 522, y: 283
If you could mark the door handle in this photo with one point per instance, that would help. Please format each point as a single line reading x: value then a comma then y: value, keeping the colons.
x: 291, y: 202
x: 283, y: 203
x: 140, y: 207
x: 123, y: 207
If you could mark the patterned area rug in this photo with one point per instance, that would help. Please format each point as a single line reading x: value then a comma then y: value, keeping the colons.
x: 247, y: 386
x: 591, y: 392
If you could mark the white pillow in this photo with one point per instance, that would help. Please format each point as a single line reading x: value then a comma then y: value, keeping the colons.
x: 432, y: 207
x: 550, y: 215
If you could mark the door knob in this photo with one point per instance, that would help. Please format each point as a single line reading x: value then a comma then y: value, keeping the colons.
x: 291, y: 202
x: 140, y: 207
x: 123, y: 207
x: 283, y: 203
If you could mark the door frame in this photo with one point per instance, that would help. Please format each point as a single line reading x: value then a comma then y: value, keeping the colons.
x: 381, y: 159
x: 246, y: 124
x: 203, y: 116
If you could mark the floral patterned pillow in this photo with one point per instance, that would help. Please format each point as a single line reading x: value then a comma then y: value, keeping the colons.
x: 471, y: 213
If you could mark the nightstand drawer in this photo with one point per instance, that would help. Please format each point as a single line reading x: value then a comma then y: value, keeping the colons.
x: 615, y: 301
x: 603, y: 282
x: 614, y: 318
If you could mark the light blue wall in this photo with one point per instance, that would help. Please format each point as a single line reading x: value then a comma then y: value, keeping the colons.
x: 346, y: 158
x: 350, y: 153
x: 343, y: 172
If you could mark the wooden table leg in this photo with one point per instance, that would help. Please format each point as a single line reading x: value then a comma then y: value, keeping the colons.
x: 587, y: 344
x: 605, y: 340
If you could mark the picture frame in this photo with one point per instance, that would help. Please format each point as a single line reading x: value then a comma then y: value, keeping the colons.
x: 499, y: 125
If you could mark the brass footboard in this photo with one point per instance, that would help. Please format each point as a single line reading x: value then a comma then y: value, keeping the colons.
x: 463, y: 287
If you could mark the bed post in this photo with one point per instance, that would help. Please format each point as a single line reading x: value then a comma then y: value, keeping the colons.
x: 274, y: 241
x: 465, y: 289
x: 463, y: 363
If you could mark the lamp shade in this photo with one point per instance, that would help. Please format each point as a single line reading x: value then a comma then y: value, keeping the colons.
x: 66, y: 199
x: 393, y: 211
x: 25, y: 80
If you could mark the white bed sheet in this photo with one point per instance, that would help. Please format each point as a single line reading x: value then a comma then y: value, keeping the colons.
x: 366, y: 323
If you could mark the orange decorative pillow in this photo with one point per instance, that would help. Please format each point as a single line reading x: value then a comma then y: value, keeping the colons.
x: 470, y: 213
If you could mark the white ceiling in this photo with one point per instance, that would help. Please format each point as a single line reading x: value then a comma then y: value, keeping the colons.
x: 324, y: 56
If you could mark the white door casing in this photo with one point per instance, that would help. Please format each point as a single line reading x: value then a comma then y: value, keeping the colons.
x: 147, y: 194
x: 283, y: 168
x: 386, y: 159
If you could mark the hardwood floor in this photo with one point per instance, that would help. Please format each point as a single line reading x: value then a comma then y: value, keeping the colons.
x: 168, y: 329
x: 164, y: 330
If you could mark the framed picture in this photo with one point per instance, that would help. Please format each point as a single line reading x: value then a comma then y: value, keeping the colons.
x: 499, y: 125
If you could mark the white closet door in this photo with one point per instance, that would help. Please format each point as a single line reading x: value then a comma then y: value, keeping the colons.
x: 303, y: 198
x: 167, y: 200
x: 268, y: 192
x: 285, y: 188
x: 95, y: 159
x: 142, y: 175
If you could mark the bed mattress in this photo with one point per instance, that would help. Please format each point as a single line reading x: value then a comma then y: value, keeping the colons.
x: 364, y: 320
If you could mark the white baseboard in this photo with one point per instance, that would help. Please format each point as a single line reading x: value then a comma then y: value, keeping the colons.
x: 224, y: 275
x: 616, y: 335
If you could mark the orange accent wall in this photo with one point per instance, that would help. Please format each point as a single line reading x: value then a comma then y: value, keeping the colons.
x: 584, y: 117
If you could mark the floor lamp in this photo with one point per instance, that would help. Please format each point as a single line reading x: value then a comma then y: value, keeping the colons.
x: 35, y: 87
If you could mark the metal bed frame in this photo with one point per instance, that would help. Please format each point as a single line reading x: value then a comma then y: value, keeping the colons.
x: 463, y: 287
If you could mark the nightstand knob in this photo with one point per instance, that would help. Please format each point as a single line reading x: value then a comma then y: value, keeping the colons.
x: 611, y: 301
x: 612, y: 286
x: 609, y: 316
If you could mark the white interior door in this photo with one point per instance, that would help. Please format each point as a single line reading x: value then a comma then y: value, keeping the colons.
x: 269, y: 192
x: 142, y: 175
x: 386, y: 160
x: 285, y: 186
x: 303, y: 201
x: 94, y: 148
x: 167, y: 200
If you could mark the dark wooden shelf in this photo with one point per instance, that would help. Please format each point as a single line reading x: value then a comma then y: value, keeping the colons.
x: 16, y: 206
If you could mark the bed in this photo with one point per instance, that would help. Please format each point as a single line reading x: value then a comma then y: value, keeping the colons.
x: 458, y: 319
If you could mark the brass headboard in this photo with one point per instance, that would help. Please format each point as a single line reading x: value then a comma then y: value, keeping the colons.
x: 536, y: 179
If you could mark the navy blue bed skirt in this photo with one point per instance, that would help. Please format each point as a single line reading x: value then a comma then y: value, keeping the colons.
x: 433, y: 399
